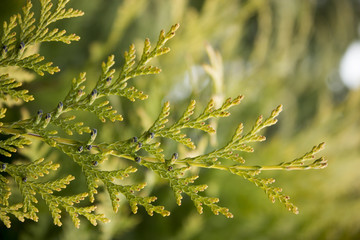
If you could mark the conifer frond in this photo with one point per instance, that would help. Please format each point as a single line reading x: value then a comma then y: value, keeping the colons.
x: 13, y: 47
x: 5, y: 190
x: 67, y: 203
x: 38, y: 168
x: 94, y: 175
x: 11, y: 145
x: 144, y: 150
x: 274, y: 193
x: 13, y: 210
x: 238, y: 143
x: 168, y: 169
x: 132, y: 69
x: 8, y: 37
x: 9, y: 88
x: 184, y: 185
x: 33, y: 62
x: 77, y: 99
x: 25, y: 174
x: 307, y: 161
x: 174, y: 131
x: 30, y: 34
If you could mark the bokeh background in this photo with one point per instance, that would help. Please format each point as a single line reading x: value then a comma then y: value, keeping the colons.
x: 302, y: 54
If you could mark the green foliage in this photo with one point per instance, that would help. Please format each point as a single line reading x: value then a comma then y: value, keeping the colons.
x: 13, y: 45
x: 145, y: 151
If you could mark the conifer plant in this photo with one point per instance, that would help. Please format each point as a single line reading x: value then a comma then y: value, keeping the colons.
x: 56, y: 128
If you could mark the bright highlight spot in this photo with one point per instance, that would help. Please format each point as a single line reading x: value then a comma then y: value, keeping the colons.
x: 350, y: 66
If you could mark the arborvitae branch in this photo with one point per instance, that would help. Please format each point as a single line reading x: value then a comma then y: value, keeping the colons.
x: 145, y: 150
x: 13, y: 48
x: 8, y: 87
x: 13, y: 210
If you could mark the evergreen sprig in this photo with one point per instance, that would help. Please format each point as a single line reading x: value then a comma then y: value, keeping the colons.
x: 25, y: 176
x: 14, y: 210
x: 9, y: 87
x: 145, y: 150
x: 174, y: 131
x: 13, y: 46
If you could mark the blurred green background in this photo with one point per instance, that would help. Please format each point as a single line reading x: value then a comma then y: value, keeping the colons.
x: 273, y: 52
